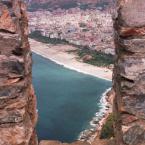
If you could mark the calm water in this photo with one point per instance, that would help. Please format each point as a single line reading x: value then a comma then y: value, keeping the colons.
x: 67, y: 100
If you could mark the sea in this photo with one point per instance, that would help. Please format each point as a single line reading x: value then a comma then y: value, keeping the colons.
x: 67, y: 100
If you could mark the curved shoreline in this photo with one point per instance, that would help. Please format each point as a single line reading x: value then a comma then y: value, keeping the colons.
x: 98, y: 120
x: 100, y: 116
x: 59, y: 56
x: 71, y: 68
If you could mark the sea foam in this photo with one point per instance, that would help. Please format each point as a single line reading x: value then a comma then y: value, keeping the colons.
x: 90, y: 134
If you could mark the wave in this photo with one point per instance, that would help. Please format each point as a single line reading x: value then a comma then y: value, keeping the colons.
x: 96, y: 122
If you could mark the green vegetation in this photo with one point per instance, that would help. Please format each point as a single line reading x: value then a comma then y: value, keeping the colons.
x: 98, y: 58
x: 102, y: 4
x: 83, y: 25
x: 85, y: 30
x: 107, y: 129
x: 68, y: 5
x: 34, y: 7
x: 84, y: 6
x: 72, y: 4
x: 38, y: 36
x: 49, y: 6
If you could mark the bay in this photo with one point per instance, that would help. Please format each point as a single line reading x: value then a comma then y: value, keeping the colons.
x: 67, y: 100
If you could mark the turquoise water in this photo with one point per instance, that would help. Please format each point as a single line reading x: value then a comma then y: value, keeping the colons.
x: 67, y: 100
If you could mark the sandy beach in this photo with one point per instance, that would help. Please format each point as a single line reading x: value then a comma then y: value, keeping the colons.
x: 59, y: 54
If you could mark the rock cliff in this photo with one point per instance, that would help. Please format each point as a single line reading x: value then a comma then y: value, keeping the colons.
x: 18, y: 115
x: 17, y: 100
x: 59, y: 143
x: 129, y: 73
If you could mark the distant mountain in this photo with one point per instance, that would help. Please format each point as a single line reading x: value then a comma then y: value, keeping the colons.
x: 35, y: 5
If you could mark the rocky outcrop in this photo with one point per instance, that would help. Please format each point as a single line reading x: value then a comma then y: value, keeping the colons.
x: 129, y: 73
x: 59, y: 143
x: 17, y: 100
x: 18, y: 115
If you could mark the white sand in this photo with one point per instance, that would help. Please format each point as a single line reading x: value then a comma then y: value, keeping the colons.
x: 58, y: 54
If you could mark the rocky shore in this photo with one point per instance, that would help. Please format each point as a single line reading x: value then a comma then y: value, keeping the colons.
x: 18, y: 115
x: 59, y: 55
x: 100, y: 118
x: 91, y: 137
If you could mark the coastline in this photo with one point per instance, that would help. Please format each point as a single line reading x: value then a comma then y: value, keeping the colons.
x: 59, y: 55
x: 99, y: 118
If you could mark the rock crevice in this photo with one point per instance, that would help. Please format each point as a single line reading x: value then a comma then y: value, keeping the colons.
x: 129, y: 73
x: 18, y: 115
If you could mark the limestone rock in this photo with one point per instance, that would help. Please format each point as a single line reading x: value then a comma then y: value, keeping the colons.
x: 6, y: 22
x: 59, y: 143
x: 132, y: 13
x: 18, y: 115
x: 134, y: 135
x: 129, y: 73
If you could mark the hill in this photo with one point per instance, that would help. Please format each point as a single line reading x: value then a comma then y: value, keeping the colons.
x: 51, y: 5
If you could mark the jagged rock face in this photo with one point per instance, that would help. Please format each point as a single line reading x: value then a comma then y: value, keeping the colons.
x: 17, y: 100
x: 59, y: 143
x: 129, y: 73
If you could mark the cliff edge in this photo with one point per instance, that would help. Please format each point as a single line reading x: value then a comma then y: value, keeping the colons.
x: 17, y: 100
x: 129, y: 73
x: 18, y: 115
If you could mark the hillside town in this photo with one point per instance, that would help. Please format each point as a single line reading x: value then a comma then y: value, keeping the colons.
x: 91, y: 27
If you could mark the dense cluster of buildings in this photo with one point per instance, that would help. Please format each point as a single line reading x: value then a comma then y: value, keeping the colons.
x: 92, y: 28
